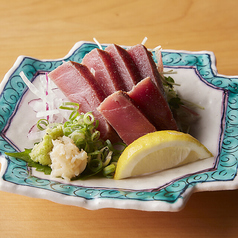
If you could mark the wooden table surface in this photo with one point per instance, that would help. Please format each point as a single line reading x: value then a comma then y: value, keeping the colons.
x: 48, y: 30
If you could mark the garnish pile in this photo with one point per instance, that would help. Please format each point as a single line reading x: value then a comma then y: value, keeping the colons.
x: 81, y: 128
x: 80, y: 146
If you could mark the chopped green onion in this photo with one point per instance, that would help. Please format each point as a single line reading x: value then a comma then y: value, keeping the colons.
x: 95, y: 136
x: 69, y: 106
x: 82, y: 129
x: 95, y: 165
x: 107, y: 159
x: 67, y: 131
x: 74, y: 115
x: 88, y: 118
x: 42, y: 122
x: 77, y: 135
x: 96, y: 124
x: 109, y: 170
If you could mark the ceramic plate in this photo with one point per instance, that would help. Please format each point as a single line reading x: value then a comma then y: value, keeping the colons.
x: 165, y: 191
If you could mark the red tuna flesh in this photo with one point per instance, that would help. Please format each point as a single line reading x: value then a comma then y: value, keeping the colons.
x: 125, y: 117
x: 145, y: 64
x: 105, y: 70
x: 153, y: 104
x: 125, y: 65
x: 79, y: 85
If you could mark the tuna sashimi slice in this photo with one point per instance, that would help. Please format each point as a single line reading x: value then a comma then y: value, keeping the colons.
x: 125, y: 117
x: 105, y: 70
x: 144, y: 61
x: 125, y: 65
x: 153, y: 104
x: 79, y: 85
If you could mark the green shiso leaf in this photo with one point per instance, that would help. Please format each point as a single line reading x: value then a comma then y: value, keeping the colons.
x: 25, y: 155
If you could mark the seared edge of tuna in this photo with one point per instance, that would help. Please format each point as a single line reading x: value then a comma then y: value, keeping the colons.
x: 144, y: 61
x: 153, y: 104
x: 125, y: 66
x: 125, y: 117
x: 105, y: 70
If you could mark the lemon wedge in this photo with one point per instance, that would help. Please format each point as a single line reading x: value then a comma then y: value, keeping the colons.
x: 158, y: 151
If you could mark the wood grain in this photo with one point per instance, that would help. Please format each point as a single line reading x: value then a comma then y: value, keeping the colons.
x: 48, y: 30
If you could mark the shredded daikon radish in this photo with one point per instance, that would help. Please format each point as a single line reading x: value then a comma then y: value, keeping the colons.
x: 31, y: 86
x: 47, y: 103
x: 35, y: 136
x: 47, y: 113
x: 144, y: 40
x: 157, y: 48
x: 158, y: 57
x: 92, y: 70
x: 99, y: 45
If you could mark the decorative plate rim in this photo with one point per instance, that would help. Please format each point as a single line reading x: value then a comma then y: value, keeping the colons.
x: 170, y: 197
